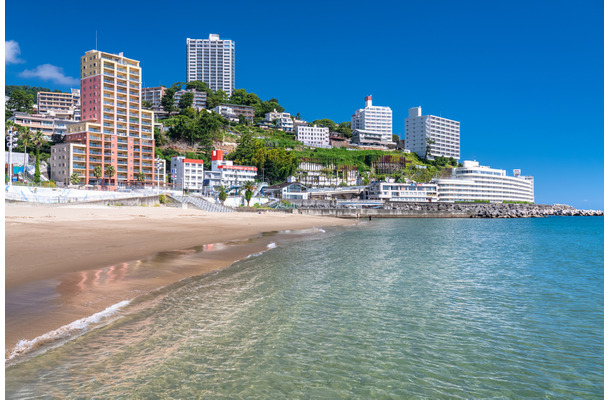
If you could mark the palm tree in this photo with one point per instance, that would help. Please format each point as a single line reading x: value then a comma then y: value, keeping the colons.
x: 38, y: 140
x: 97, y: 172
x: 110, y: 171
x: 74, y: 178
x: 222, y: 196
x: 26, y: 137
x: 140, y: 177
x: 249, y: 187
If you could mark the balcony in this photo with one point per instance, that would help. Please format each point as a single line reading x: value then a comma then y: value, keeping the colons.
x: 95, y: 160
x: 121, y: 169
x: 122, y: 141
x: 109, y: 131
x: 121, y: 91
x: 122, y: 162
x: 78, y: 166
x: 78, y: 151
x: 122, y: 147
x: 79, y: 158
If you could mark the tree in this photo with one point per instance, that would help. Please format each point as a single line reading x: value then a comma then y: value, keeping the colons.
x: 38, y: 140
x: 429, y: 143
x: 243, y: 120
x: 167, y: 101
x: 160, y: 138
x: 186, y: 101
x: 26, y: 136
x: 222, y: 196
x: 298, y: 116
x: 110, y: 171
x: 395, y: 138
x: 199, y: 86
x: 216, y: 98
x: 327, y: 123
x: 249, y: 187
x: 97, y: 172
x: 74, y: 178
x: 20, y: 101
x: 146, y: 104
x: 140, y: 177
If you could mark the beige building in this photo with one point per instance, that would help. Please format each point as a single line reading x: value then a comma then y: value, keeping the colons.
x: 61, y: 105
x: 48, y: 125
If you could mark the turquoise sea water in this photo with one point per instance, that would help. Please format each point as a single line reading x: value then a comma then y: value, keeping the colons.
x: 403, y: 308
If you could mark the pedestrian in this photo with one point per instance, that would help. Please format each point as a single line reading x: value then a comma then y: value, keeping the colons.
x: 370, y: 218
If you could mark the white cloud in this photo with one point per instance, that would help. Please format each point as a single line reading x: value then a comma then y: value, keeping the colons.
x: 48, y: 72
x: 12, y: 52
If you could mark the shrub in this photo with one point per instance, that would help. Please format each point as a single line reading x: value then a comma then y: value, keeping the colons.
x: 162, y: 199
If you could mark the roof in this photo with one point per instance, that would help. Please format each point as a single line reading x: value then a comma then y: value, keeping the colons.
x: 283, y: 185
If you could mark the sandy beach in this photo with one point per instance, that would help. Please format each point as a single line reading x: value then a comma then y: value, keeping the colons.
x: 85, y: 259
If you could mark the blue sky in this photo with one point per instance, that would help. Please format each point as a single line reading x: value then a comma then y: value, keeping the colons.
x: 524, y: 78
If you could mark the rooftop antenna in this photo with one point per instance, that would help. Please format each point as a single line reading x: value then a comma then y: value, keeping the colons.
x: 96, y: 39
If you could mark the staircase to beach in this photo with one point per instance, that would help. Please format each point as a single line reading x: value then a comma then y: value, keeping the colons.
x: 201, y: 203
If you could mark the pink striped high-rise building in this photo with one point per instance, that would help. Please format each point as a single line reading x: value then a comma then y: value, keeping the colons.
x: 114, y: 130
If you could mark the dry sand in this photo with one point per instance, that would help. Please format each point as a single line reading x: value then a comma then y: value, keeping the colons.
x: 88, y: 256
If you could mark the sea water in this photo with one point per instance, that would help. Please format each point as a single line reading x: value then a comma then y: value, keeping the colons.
x: 401, y: 308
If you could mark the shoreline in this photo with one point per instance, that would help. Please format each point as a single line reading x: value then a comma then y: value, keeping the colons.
x: 68, y: 263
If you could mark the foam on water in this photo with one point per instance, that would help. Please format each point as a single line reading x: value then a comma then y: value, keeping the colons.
x: 24, y: 345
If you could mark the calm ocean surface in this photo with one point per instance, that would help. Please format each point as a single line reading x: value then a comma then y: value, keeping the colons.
x: 403, y: 308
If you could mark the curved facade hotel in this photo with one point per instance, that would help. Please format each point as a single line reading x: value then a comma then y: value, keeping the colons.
x: 474, y: 182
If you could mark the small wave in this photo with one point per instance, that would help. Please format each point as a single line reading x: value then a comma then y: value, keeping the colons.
x: 24, y: 346
x: 271, y: 245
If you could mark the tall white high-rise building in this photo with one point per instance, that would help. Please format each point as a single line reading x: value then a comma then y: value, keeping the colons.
x: 211, y: 61
x: 374, y: 119
x: 442, y: 135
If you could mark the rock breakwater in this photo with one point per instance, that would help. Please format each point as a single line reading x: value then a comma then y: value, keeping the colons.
x: 447, y: 210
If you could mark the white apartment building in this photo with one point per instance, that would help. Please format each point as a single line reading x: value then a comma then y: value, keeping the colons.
x: 186, y: 173
x: 474, y: 182
x: 365, y: 138
x: 284, y: 121
x: 211, y: 61
x: 199, y: 98
x: 224, y: 173
x: 314, y: 136
x: 153, y: 95
x: 441, y: 134
x: 227, y: 112
x: 374, y: 119
x: 394, y: 191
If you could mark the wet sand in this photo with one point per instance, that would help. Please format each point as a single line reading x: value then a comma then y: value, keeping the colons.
x: 66, y: 263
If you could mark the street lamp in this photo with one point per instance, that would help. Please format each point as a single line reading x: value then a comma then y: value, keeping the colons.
x: 158, y: 166
x: 10, y: 140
